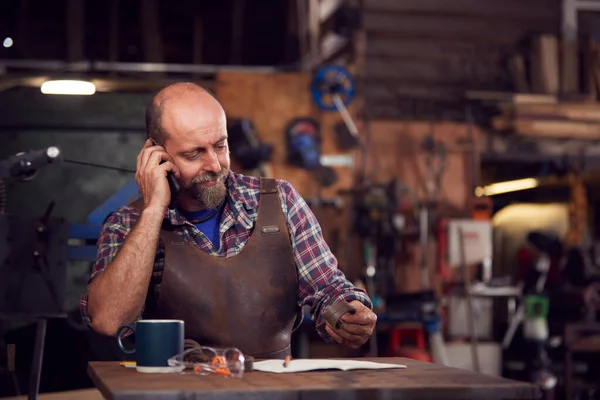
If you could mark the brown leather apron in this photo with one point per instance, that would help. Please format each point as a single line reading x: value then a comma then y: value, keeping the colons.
x: 249, y: 301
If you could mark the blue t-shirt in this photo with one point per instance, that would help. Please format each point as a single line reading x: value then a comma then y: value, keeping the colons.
x: 210, y: 226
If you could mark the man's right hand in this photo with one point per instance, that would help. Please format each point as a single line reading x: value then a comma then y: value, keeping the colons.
x: 151, y: 175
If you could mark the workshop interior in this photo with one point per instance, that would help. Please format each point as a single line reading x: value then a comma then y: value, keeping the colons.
x: 449, y: 150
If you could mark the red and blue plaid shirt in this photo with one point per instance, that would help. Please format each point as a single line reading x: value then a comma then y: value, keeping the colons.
x: 321, y: 283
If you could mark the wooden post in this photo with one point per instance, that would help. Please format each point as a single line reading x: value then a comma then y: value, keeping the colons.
x: 152, y: 41
x: 302, y: 31
x: 198, y: 39
x: 22, y: 36
x: 237, y: 29
x: 75, y: 32
x: 113, y: 33
x: 314, y: 31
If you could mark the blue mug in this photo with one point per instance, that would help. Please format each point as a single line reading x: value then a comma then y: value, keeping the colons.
x: 156, y: 340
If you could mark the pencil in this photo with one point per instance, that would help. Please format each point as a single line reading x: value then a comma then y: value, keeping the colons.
x: 287, y: 360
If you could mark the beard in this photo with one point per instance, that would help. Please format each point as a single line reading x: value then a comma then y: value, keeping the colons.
x: 208, y: 196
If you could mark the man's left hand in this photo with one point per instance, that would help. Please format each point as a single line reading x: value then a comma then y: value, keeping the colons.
x: 356, y: 328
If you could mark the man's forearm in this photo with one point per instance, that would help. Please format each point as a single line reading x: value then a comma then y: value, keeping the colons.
x: 118, y: 294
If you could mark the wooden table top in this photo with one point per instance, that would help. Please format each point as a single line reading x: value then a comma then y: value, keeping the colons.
x: 420, y: 380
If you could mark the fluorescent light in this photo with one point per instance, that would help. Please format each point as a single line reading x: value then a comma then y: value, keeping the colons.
x: 68, y: 87
x: 505, y: 187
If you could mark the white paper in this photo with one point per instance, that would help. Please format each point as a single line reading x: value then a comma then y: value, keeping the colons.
x: 301, y: 365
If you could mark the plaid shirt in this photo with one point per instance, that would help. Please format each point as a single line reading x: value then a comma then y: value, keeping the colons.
x: 321, y: 283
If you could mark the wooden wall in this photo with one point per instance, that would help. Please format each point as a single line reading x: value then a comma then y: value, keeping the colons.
x: 271, y: 101
x: 394, y: 151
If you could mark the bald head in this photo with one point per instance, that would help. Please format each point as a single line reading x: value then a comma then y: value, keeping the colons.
x: 178, y: 97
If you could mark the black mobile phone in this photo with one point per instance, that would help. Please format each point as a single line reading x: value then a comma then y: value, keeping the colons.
x: 173, y: 184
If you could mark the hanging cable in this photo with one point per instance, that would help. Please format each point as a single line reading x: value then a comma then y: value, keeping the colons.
x: 89, y: 164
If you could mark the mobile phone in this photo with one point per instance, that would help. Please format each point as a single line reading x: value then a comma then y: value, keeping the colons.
x: 173, y: 184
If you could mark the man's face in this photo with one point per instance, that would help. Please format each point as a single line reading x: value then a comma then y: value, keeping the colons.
x: 197, y: 142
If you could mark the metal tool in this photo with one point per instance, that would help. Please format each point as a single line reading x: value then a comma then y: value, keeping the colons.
x: 333, y: 88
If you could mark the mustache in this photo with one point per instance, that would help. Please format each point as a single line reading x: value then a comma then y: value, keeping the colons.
x: 209, y: 176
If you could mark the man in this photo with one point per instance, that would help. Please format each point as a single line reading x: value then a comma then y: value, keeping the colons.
x: 237, y: 259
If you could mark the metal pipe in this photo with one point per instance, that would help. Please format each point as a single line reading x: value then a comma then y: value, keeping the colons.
x: 85, y: 66
x: 345, y: 115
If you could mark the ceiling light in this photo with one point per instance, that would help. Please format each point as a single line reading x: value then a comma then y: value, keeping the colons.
x: 8, y: 42
x: 68, y: 87
x: 505, y: 187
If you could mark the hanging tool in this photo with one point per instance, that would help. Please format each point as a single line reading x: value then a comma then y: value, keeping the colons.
x: 333, y: 88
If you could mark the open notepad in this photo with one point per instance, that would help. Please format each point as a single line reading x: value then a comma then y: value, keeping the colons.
x: 301, y: 365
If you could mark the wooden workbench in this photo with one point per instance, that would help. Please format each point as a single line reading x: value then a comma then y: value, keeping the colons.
x: 420, y: 380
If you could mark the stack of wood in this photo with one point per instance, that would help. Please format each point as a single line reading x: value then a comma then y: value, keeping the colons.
x: 553, y: 99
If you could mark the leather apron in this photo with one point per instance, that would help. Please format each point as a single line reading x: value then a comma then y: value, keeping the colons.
x: 248, y: 301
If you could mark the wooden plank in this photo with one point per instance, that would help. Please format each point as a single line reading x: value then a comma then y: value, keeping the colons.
x: 569, y: 67
x: 151, y: 34
x: 197, y: 39
x: 331, y: 45
x: 445, y: 24
x: 419, y: 380
x: 491, y: 38
x: 113, y: 32
x: 314, y: 30
x: 328, y: 7
x: 511, y: 97
x: 303, y: 42
x: 538, y: 128
x: 538, y: 9
x: 545, y: 75
x: 415, y: 109
x: 436, y: 50
x: 24, y: 33
x: 589, y: 73
x: 237, y: 29
x: 75, y: 31
x: 455, y: 72
x: 391, y: 93
x: 518, y: 72
x: 570, y: 111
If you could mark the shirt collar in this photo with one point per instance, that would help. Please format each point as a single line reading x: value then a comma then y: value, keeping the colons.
x: 240, y: 199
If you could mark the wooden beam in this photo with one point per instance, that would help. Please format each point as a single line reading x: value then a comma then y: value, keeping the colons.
x: 22, y: 36
x: 391, y: 92
x: 303, y: 45
x: 328, y: 7
x: 459, y: 26
x: 569, y: 20
x: 538, y: 9
x: 427, y: 50
x: 331, y: 44
x: 75, y: 31
x: 198, y: 39
x: 443, y: 69
x: 314, y: 30
x: 545, y: 76
x: 152, y: 38
x: 237, y: 29
x: 491, y: 38
x: 113, y: 31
